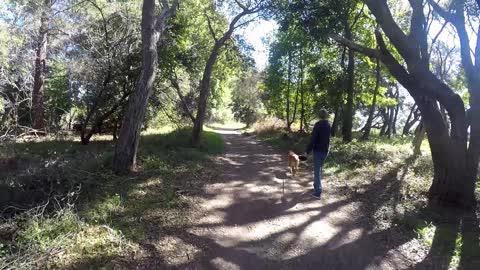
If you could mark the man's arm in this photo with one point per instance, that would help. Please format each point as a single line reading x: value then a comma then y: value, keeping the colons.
x: 313, y: 139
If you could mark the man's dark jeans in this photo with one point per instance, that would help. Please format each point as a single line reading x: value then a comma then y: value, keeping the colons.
x: 318, y: 160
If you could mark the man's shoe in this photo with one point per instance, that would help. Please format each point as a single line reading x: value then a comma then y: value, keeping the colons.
x: 317, y: 195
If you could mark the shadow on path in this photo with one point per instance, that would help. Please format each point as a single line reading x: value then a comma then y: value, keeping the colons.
x: 251, y: 224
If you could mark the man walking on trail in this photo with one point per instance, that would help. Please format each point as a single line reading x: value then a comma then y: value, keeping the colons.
x: 319, y: 143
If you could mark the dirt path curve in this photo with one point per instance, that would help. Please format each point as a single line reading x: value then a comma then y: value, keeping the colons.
x: 249, y: 223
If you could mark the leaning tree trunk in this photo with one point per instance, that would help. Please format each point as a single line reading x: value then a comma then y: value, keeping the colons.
x: 207, y: 72
x: 40, y: 69
x: 129, y: 135
x: 371, y: 112
x: 204, y: 93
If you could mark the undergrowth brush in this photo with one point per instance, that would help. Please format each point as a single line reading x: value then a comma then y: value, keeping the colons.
x: 64, y: 208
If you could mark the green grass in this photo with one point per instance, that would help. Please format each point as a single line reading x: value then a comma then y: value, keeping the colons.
x: 94, y: 216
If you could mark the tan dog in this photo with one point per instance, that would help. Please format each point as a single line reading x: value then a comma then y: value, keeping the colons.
x: 293, y: 162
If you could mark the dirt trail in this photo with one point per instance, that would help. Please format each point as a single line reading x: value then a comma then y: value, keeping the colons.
x: 249, y: 223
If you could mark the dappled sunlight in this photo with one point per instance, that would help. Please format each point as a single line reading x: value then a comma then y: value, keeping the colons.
x: 257, y: 215
x: 221, y: 263
x: 175, y: 250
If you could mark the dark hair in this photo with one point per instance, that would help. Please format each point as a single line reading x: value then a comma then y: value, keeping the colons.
x: 323, y: 114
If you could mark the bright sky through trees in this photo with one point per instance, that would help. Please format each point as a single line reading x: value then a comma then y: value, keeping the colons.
x: 257, y: 34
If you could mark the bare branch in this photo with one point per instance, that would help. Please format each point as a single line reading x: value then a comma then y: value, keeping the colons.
x: 242, y: 6
x: 360, y: 13
x: 246, y: 22
x: 174, y: 82
x: 434, y: 40
x: 104, y: 21
x: 210, y: 28
x: 458, y: 21
x: 443, y: 13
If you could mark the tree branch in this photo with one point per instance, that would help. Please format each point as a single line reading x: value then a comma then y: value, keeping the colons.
x: 443, y: 13
x: 356, y: 47
x: 246, y: 22
x: 174, y: 82
x: 477, y: 47
x: 397, y: 37
x: 458, y: 21
x: 210, y: 28
x: 358, y: 16
x: 167, y: 12
x: 434, y: 40
x: 242, y: 6
x: 68, y: 7
x: 418, y: 31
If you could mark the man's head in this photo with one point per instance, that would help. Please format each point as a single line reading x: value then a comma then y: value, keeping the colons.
x: 323, y: 114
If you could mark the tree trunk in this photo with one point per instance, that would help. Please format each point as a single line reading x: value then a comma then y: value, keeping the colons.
x: 444, y: 116
x: 302, y: 96
x: 454, y: 157
x: 385, y: 114
x: 40, y: 68
x: 115, y: 129
x: 129, y: 135
x: 391, y: 114
x: 451, y: 184
x: 473, y: 153
x: 289, y: 124
x: 204, y: 93
x: 395, y: 117
x: 207, y: 72
x: 368, y: 125
x: 337, y: 114
x: 407, y: 126
x: 348, y: 112
x: 295, y: 103
x: 413, y: 118
x: 336, y: 118
x: 393, y: 124
x: 418, y: 139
